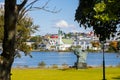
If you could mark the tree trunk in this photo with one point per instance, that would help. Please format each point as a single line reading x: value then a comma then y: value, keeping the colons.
x: 9, y: 43
x: 7, y: 56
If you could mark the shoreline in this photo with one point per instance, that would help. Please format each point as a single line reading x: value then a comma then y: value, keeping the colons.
x: 61, y: 67
x: 71, y: 51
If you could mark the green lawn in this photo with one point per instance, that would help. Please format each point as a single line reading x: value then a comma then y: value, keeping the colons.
x: 70, y: 74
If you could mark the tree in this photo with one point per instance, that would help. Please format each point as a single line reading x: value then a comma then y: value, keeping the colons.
x: 113, y: 46
x: 95, y: 44
x: 9, y: 42
x: 36, y: 40
x: 25, y: 28
x: 102, y: 15
x: 12, y: 11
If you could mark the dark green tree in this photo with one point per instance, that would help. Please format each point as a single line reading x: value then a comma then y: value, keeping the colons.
x: 102, y: 15
x: 37, y: 40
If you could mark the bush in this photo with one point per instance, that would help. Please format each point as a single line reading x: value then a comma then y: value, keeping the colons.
x: 65, y: 66
x: 41, y: 64
x: 55, y: 66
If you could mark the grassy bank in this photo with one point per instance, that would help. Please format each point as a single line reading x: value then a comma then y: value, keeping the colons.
x: 70, y: 74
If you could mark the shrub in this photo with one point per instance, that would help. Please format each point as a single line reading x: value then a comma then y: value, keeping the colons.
x: 65, y: 66
x: 55, y: 66
x: 41, y: 64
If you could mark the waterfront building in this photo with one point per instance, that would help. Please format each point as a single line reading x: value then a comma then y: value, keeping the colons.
x: 83, y: 41
x: 63, y: 43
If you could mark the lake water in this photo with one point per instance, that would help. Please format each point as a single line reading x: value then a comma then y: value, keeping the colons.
x: 59, y: 58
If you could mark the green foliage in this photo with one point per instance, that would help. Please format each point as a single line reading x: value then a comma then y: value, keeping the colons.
x: 99, y: 7
x: 36, y: 39
x: 102, y: 15
x: 111, y: 49
x: 25, y: 28
x: 105, y: 11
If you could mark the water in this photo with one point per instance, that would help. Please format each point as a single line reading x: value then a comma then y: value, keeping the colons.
x: 59, y: 58
x: 49, y: 58
x: 96, y: 59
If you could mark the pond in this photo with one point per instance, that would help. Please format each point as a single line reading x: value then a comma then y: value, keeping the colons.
x: 59, y: 58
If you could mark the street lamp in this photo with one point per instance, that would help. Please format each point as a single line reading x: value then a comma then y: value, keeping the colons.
x: 103, y: 47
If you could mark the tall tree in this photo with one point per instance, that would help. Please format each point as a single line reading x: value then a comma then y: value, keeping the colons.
x: 102, y: 15
x: 10, y: 20
x: 12, y: 11
x: 25, y: 27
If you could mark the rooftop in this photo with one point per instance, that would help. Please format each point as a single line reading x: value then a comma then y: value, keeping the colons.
x: 67, y: 41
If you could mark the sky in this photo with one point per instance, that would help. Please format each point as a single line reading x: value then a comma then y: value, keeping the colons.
x: 49, y: 23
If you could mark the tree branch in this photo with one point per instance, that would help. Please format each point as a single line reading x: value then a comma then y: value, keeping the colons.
x: 31, y: 4
x: 31, y: 7
x: 22, y: 5
x: 45, y: 8
x: 25, y: 9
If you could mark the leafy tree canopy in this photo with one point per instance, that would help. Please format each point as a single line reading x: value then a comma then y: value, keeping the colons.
x: 102, y: 15
x: 25, y: 27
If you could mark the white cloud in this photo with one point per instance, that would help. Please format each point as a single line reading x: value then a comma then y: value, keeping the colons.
x: 63, y: 24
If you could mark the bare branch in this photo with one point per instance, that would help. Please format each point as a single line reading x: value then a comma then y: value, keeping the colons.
x: 45, y: 9
x: 21, y: 14
x: 31, y: 7
x: 45, y: 5
x: 25, y: 9
x: 31, y: 4
x: 22, y: 5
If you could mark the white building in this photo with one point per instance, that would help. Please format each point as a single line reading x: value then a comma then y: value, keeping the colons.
x: 63, y: 44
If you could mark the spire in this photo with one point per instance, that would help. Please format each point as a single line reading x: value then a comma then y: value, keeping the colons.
x: 59, y: 32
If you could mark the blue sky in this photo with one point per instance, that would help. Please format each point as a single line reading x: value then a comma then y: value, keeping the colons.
x: 51, y: 22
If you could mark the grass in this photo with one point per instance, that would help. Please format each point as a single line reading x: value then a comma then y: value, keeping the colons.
x: 70, y: 74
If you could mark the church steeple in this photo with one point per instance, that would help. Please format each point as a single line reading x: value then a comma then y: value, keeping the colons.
x: 60, y: 37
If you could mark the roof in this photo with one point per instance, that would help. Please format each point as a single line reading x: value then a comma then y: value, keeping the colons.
x: 67, y: 41
x: 54, y: 36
